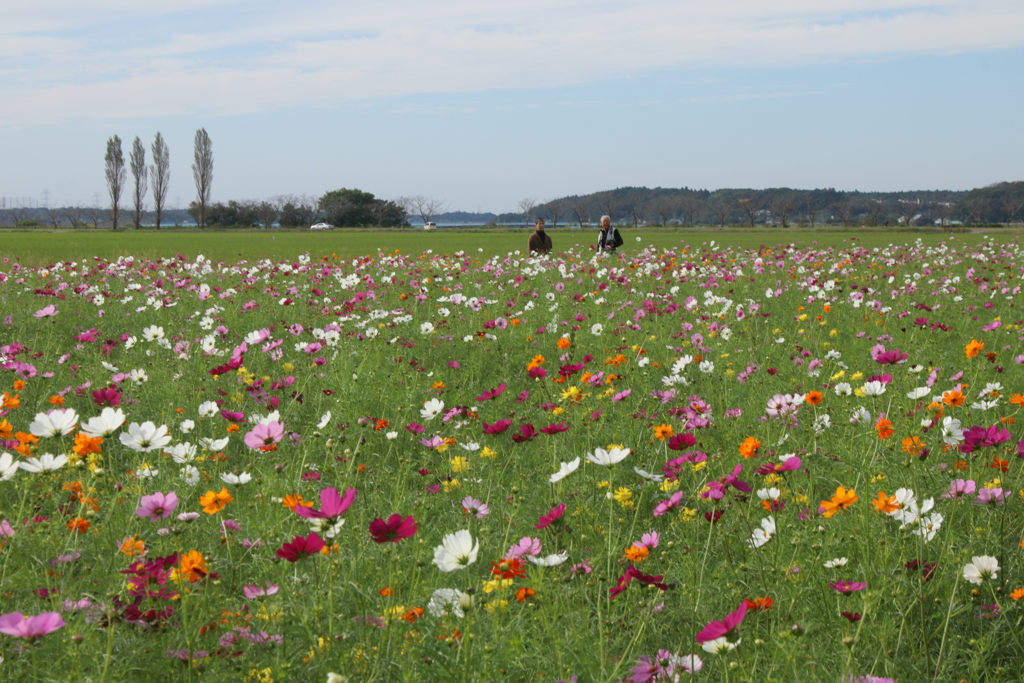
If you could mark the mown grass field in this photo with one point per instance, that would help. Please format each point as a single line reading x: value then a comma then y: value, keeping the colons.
x: 694, y: 460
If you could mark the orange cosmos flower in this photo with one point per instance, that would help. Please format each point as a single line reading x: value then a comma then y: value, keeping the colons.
x: 412, y: 615
x: 885, y: 503
x: 25, y: 442
x: 1017, y: 594
x: 953, y: 398
x: 193, y: 566
x: 813, y: 397
x: 563, y: 343
x: 231, y: 428
x: 760, y: 604
x: 998, y: 464
x: 913, y: 445
x: 387, y: 591
x: 18, y: 385
x: 748, y: 449
x: 6, y: 429
x: 438, y: 386
x: 132, y: 546
x: 637, y: 553
x: 663, y: 431
x: 536, y: 362
x: 884, y: 429
x: 524, y: 594
x: 381, y: 425
x: 215, y: 502
x: 1017, y: 399
x: 294, y: 499
x: 10, y: 401
x: 960, y: 465
x: 57, y: 400
x: 972, y: 349
x: 85, y: 444
x: 78, y: 524
x: 842, y: 500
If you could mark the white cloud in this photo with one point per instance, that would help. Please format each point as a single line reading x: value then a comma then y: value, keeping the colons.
x: 116, y: 58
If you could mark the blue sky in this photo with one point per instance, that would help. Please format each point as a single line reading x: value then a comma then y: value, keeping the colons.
x: 482, y: 104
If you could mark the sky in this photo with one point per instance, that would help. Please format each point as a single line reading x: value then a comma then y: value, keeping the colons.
x: 481, y: 104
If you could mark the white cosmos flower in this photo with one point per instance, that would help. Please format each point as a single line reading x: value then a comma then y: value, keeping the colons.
x: 565, y: 470
x: 8, y: 467
x: 549, y: 560
x: 106, y: 423
x: 656, y: 478
x: 426, y: 328
x: 471, y: 446
x: 449, y: 601
x: 272, y: 416
x: 718, y: 645
x: 236, y: 479
x: 208, y: 409
x: 980, y: 568
x: 325, y: 420
x: 146, y: 472
x: 596, y: 329
x: 56, y: 422
x: 761, y: 536
x: 843, y: 389
x: 608, y: 458
x: 46, y: 462
x: 153, y: 333
x: 391, y: 435
x: 860, y: 415
x: 680, y: 365
x: 707, y: 366
x: 139, y: 376
x: 432, y: 409
x: 213, y: 444
x: 190, y: 474
x: 928, y: 526
x: 838, y: 562
x: 182, y: 453
x: 456, y: 551
x: 874, y: 388
x: 146, y: 437
x: 952, y: 431
x: 769, y: 494
x: 920, y: 392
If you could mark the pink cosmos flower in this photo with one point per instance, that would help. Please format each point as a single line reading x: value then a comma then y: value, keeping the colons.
x: 331, y: 504
x: 666, y: 505
x: 157, y: 506
x: 251, y: 591
x: 472, y: 506
x: 393, y: 530
x: 46, y: 312
x: 6, y: 529
x: 21, y: 626
x: 547, y: 520
x: 525, y: 546
x: 649, y: 540
x: 788, y: 465
x: 263, y: 436
x: 959, y: 488
x: 994, y: 496
x: 718, y: 629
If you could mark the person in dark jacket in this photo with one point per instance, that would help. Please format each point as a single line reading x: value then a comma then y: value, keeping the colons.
x: 540, y: 241
x: 609, y: 239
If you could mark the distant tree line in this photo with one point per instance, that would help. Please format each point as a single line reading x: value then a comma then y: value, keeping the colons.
x: 783, y: 207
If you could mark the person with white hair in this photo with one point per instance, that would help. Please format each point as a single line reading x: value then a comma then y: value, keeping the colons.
x: 609, y: 239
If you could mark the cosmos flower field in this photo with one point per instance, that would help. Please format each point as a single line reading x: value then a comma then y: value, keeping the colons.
x: 702, y: 463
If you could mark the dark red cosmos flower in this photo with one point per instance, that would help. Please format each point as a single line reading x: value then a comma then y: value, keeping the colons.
x: 393, y: 530
x: 492, y: 393
x: 555, y: 428
x: 232, y: 364
x: 301, y: 547
x: 632, y: 573
x: 526, y: 432
x: 852, y: 616
x: 510, y: 568
x: 107, y: 397
x: 682, y: 441
x: 498, y: 427
x: 713, y: 516
x: 569, y: 370
x: 554, y: 513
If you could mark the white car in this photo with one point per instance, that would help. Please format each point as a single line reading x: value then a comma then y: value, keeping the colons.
x: 321, y: 226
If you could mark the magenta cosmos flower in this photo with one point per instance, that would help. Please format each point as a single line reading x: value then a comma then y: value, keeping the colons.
x: 547, y: 520
x: 301, y: 547
x: 265, y: 437
x: 719, y: 629
x: 158, y: 506
x: 393, y: 530
x: 331, y: 504
x: 491, y: 393
x: 848, y: 586
x: 18, y: 625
